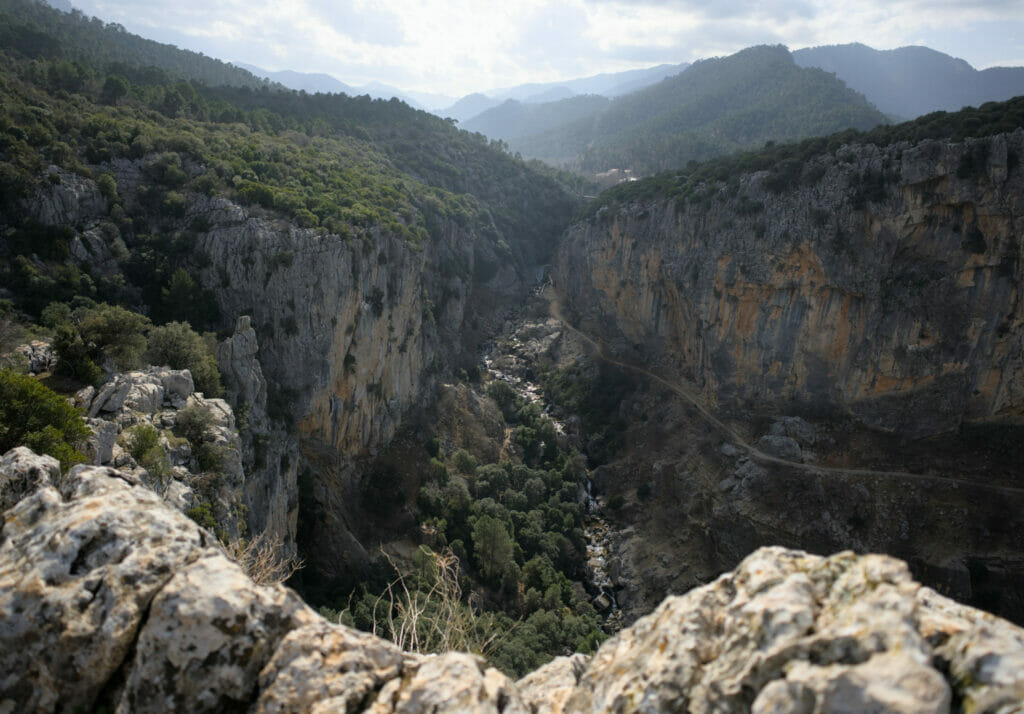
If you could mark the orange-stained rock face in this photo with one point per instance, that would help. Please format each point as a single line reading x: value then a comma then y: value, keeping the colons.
x: 904, y: 312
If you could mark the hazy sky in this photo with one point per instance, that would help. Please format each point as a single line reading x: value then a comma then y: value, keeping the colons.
x: 460, y: 46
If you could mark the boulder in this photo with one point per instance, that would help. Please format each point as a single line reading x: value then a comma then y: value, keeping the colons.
x: 77, y: 576
x: 781, y: 446
x: 795, y: 428
x: 178, y: 385
x: 39, y: 354
x: 794, y: 632
x: 22, y: 472
x: 100, y: 446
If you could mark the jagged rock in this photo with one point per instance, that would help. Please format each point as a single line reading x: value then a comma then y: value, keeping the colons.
x: 100, y: 446
x: 110, y: 598
x: 22, y: 472
x: 78, y: 573
x: 804, y: 633
x: 178, y: 386
x: 145, y: 395
x: 449, y: 683
x: 890, y: 682
x: 208, y: 634
x: 781, y: 446
x: 111, y: 396
x: 39, y: 354
x: 795, y: 428
x: 69, y: 201
x: 237, y: 358
x: 328, y: 668
x: 84, y: 396
x: 549, y: 688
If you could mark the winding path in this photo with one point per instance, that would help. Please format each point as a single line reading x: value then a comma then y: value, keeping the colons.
x: 756, y: 454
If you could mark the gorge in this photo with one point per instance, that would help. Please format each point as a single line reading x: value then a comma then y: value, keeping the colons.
x: 740, y: 436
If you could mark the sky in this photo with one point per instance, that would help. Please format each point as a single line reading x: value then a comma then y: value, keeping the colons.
x: 454, y: 47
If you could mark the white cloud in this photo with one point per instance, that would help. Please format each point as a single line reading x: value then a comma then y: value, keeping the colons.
x: 458, y: 46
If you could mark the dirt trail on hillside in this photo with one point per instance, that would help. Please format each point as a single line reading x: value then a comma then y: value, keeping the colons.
x: 688, y: 393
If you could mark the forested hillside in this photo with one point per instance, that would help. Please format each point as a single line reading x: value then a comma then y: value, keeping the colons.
x: 79, y: 96
x: 125, y: 167
x: 715, y: 107
x: 787, y: 164
x: 35, y: 30
x: 513, y: 120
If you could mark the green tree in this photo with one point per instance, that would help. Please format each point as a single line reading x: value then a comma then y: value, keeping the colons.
x: 114, y: 88
x: 35, y: 416
x: 178, y: 346
x: 116, y: 332
x: 492, y: 547
x: 183, y: 299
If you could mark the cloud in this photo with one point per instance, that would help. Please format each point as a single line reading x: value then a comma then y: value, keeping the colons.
x: 459, y: 46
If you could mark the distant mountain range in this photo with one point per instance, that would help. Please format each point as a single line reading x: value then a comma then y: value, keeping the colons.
x: 655, y: 118
x: 326, y: 84
x: 609, y: 84
x: 714, y: 107
x: 911, y: 81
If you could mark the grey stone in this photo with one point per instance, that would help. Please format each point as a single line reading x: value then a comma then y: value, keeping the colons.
x: 100, y: 446
x: 39, y: 354
x: 22, y: 472
x: 795, y: 428
x: 781, y: 446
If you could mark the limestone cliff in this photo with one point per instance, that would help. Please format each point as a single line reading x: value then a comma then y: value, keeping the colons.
x: 345, y: 334
x: 351, y: 334
x: 883, y: 283
x: 109, y: 598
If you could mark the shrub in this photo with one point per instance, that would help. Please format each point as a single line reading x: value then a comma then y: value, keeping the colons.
x: 465, y: 462
x: 116, y: 332
x: 193, y: 422
x: 178, y: 346
x: 35, y: 416
x: 141, y: 439
x: 73, y: 358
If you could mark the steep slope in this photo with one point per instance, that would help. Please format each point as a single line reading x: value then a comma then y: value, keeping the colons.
x: 38, y: 30
x: 373, y: 246
x: 910, y: 81
x: 715, y: 107
x: 880, y: 281
x: 513, y: 120
x: 872, y: 289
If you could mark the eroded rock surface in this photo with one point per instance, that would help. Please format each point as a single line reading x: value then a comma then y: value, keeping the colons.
x: 109, y: 597
x: 883, y: 284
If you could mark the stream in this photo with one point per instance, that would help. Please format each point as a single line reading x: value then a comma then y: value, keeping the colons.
x: 503, y: 363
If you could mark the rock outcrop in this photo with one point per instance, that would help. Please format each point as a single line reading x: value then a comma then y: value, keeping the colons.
x: 882, y: 283
x: 153, y: 398
x: 109, y: 598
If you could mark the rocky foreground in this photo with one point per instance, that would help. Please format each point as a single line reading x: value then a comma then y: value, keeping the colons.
x: 109, y: 597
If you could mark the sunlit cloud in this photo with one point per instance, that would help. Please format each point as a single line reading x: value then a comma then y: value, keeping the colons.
x: 459, y: 46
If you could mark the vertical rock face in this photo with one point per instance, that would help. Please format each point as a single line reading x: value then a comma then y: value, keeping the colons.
x: 271, y: 492
x: 350, y: 334
x: 885, y: 284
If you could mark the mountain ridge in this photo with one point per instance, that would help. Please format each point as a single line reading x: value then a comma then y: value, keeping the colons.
x: 914, y: 80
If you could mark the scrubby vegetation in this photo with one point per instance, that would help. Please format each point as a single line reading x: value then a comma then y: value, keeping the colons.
x: 790, y: 165
x: 35, y: 416
x: 503, y: 554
